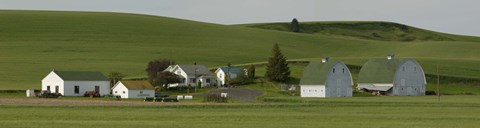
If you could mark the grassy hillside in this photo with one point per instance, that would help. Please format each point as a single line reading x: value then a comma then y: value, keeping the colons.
x: 383, y: 31
x: 32, y: 43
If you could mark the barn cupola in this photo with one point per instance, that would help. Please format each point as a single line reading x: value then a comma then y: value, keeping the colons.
x: 390, y: 56
x: 325, y: 59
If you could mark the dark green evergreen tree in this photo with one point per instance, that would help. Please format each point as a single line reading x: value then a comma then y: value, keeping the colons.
x: 277, y: 67
x: 294, y: 25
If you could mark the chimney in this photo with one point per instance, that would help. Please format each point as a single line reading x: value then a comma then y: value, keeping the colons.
x: 325, y: 59
x: 390, y: 56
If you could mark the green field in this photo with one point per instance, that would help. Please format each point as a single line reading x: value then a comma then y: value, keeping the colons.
x: 361, y: 112
x: 32, y: 43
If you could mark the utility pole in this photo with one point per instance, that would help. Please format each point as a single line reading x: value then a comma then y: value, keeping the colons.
x: 438, y: 84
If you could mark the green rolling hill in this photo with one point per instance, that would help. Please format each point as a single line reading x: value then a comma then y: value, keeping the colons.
x: 32, y: 43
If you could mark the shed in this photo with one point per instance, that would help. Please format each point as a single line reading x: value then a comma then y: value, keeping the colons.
x: 133, y: 89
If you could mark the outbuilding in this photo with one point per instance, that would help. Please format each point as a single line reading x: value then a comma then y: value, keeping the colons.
x: 133, y: 89
x: 75, y: 83
x: 391, y: 76
x: 326, y: 79
x: 231, y: 72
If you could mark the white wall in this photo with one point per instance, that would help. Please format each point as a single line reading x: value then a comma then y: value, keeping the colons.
x: 120, y: 90
x: 69, y: 87
x: 52, y: 80
x: 312, y: 91
x: 339, y: 83
x: 140, y: 93
x: 409, y: 80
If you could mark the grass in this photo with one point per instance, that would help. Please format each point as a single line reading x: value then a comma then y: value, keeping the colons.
x: 361, y: 112
x: 32, y: 43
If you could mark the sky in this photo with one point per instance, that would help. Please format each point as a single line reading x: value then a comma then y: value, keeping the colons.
x: 449, y: 16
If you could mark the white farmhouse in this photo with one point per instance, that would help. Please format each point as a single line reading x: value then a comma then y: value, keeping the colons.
x: 192, y: 75
x: 391, y: 76
x: 133, y: 89
x: 326, y: 79
x: 233, y: 72
x: 76, y: 83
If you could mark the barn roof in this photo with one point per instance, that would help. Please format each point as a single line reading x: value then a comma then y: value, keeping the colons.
x: 137, y: 85
x: 380, y: 70
x: 81, y: 76
x: 316, y: 72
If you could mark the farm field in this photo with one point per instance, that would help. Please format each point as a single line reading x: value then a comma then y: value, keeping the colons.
x: 362, y: 112
x: 32, y: 43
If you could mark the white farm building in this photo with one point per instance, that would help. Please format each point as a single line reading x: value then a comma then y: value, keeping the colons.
x: 75, y: 83
x: 133, y: 89
x: 191, y: 75
x: 391, y: 76
x: 326, y: 79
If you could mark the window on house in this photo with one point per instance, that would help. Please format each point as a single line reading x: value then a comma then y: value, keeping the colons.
x: 333, y: 70
x: 192, y: 80
x: 116, y: 92
x: 123, y: 92
x: 48, y: 88
x: 141, y: 92
x: 208, y: 80
x: 57, y: 89
x: 76, y: 89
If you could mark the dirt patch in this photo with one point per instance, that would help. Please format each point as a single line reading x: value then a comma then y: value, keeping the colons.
x: 239, y: 93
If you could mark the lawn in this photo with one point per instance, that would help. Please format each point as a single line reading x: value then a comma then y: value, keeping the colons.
x: 361, y: 112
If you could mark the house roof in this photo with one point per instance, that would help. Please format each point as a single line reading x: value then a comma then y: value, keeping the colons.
x: 137, y: 85
x: 81, y: 75
x: 316, y: 72
x: 201, y: 70
x: 379, y: 70
x: 231, y: 69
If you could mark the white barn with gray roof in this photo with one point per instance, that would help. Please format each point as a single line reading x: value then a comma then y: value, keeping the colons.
x: 326, y: 79
x: 391, y: 76
x: 76, y: 83
x: 192, y: 75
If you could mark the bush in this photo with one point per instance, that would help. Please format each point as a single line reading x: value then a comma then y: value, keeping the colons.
x: 430, y: 93
x: 47, y: 94
x: 91, y: 94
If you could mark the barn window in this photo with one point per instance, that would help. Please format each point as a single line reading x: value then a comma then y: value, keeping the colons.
x: 414, y: 68
x: 343, y: 70
x: 76, y: 89
x: 333, y: 70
